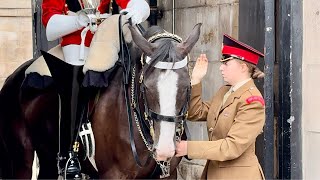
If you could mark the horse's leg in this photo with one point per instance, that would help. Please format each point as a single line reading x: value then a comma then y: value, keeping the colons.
x: 48, y: 167
x: 47, y: 148
x: 21, y: 150
x: 47, y: 145
x: 41, y: 112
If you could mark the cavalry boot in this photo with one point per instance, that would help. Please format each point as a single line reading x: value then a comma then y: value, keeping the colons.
x: 73, y: 168
x: 67, y: 79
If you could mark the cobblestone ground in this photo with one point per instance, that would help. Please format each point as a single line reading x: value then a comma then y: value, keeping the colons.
x: 187, y: 170
x: 190, y: 170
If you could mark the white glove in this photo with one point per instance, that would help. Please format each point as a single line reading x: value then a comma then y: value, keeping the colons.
x: 137, y: 10
x: 61, y: 25
x: 83, y: 19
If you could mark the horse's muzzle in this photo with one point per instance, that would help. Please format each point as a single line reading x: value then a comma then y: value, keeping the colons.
x: 163, y: 155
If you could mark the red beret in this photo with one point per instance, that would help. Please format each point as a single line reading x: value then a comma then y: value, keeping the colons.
x: 239, y: 50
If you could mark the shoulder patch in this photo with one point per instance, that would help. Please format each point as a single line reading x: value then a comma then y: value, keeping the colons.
x: 255, y: 98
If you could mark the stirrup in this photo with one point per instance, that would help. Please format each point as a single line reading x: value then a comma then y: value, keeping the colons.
x: 73, y: 167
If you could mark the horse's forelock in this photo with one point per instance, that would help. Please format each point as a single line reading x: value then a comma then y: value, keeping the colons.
x: 165, y: 52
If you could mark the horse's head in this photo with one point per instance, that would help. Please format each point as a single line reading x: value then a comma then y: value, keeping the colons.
x: 165, y: 85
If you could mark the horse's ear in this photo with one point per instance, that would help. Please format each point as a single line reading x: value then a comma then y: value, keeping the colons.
x: 141, y: 42
x: 185, y: 47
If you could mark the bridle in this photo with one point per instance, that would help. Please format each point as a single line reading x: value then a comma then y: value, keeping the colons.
x: 149, y: 114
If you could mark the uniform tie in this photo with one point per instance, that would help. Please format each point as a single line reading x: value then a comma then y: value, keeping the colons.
x: 225, y: 97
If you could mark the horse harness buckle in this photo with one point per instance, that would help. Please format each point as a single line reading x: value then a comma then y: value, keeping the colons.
x: 165, y: 168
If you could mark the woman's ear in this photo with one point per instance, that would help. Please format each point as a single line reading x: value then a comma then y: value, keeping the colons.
x: 244, y: 67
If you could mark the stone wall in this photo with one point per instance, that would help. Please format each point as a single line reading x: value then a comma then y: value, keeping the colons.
x: 15, y: 35
x: 311, y: 89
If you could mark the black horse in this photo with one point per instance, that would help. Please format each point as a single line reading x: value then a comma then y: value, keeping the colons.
x: 137, y: 117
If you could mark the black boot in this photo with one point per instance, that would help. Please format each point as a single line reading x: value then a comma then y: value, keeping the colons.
x: 67, y: 79
x: 73, y: 168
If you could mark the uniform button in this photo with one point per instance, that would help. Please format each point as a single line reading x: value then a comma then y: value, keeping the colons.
x: 211, y: 129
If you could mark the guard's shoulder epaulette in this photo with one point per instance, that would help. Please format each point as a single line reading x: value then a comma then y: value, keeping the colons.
x: 251, y: 99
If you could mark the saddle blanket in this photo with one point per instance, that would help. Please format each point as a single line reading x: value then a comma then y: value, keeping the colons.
x: 104, y: 48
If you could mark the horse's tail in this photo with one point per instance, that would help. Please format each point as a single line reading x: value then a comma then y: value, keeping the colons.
x: 9, y: 109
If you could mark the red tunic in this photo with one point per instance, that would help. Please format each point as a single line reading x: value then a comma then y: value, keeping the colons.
x: 52, y: 7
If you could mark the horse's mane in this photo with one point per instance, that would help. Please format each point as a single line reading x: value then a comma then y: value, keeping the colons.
x: 166, y: 50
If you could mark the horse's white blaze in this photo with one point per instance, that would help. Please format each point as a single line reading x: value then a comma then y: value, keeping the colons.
x: 167, y: 89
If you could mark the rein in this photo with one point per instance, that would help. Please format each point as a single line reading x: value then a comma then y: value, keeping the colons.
x: 124, y: 51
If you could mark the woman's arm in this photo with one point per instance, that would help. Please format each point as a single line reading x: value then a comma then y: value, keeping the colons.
x: 247, y: 125
x: 198, y: 110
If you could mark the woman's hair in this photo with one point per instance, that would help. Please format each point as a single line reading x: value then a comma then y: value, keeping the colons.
x: 253, y: 70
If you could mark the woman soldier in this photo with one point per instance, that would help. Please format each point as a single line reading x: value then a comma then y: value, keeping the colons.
x: 235, y: 115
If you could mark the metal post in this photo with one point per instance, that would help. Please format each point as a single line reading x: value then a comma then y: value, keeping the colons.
x: 173, y: 16
x: 290, y: 100
x: 269, y: 44
x: 35, y: 9
x: 284, y: 41
x: 296, y: 60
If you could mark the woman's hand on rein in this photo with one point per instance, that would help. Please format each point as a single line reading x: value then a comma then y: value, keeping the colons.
x: 199, y: 70
x: 181, y: 148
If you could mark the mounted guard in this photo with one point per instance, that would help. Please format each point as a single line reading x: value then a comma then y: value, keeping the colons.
x: 75, y: 22
x: 137, y: 116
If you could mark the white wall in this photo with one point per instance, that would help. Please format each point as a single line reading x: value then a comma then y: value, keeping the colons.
x: 311, y: 89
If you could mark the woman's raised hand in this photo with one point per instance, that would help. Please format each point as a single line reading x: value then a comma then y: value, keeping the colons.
x: 199, y: 70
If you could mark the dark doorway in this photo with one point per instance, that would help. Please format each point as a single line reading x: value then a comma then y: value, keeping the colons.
x: 275, y: 27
